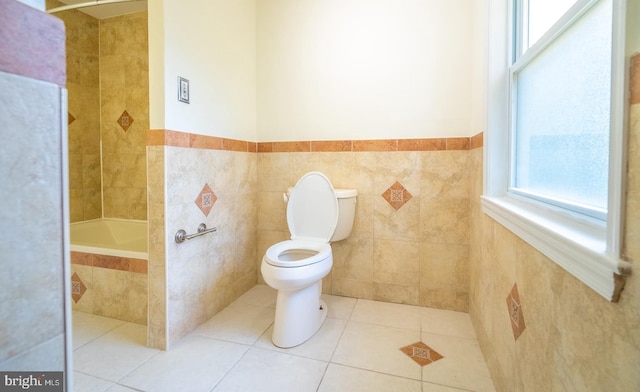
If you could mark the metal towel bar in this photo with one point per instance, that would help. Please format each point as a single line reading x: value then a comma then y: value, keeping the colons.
x: 182, y: 236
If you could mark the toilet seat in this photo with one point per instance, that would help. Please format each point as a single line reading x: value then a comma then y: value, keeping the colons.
x: 312, y: 210
x: 312, y: 216
x: 287, y: 253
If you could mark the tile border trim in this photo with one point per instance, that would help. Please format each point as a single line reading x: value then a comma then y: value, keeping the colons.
x: 33, y: 43
x: 126, y: 264
x: 166, y: 137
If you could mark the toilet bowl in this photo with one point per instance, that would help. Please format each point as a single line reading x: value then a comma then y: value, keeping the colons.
x: 296, y: 267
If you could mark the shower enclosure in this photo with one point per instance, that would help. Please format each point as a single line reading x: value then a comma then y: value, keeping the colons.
x: 108, y: 116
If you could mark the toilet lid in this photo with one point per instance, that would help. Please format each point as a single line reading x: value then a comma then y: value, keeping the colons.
x: 312, y: 210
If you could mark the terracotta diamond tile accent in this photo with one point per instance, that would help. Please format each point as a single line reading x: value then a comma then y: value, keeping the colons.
x: 422, y: 354
x: 125, y: 120
x: 77, y: 287
x: 206, y: 199
x: 515, y: 312
x: 397, y: 195
x: 70, y: 118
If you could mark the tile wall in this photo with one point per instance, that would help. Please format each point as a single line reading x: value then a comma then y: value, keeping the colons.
x: 83, y: 85
x: 157, y: 260
x: 410, y: 241
x: 574, y: 339
x: 405, y: 246
x: 108, y: 83
x: 109, y: 286
x: 124, y: 95
x: 192, y: 281
x: 34, y: 122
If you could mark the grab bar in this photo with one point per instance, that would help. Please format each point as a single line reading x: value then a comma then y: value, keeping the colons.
x: 182, y: 236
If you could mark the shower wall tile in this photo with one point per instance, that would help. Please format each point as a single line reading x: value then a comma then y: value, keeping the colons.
x: 129, y: 201
x: 82, y: 47
x: 75, y: 171
x: 76, y: 208
x: 124, y: 88
x: 92, y: 203
x: 91, y: 171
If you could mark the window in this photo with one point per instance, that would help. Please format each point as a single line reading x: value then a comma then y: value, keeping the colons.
x: 561, y: 119
x: 554, y: 148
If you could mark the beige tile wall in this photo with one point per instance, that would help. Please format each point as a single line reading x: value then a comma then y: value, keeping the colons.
x: 574, y: 339
x: 115, y: 287
x: 83, y: 85
x: 107, y: 62
x: 157, y: 267
x: 417, y: 254
x: 33, y: 110
x: 207, y: 273
x: 124, y: 85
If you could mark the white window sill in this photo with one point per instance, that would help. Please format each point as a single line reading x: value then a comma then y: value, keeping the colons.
x: 578, y: 247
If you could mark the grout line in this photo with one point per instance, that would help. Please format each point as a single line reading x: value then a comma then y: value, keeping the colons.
x: 382, y: 373
x: 349, y: 320
x: 324, y: 373
x: 346, y: 325
x: 234, y: 365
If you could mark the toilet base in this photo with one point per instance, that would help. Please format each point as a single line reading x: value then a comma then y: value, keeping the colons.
x: 299, y: 315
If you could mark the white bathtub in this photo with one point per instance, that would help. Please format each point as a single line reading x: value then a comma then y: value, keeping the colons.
x: 111, y: 237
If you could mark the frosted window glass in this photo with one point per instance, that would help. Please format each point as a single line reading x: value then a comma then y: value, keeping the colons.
x: 562, y: 114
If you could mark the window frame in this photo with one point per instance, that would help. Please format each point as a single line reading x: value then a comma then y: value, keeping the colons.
x: 586, y: 247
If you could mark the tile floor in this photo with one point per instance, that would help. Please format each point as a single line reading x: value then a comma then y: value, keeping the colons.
x: 357, y: 349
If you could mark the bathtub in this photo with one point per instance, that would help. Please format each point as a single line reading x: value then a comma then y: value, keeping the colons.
x: 110, y: 237
x: 109, y: 268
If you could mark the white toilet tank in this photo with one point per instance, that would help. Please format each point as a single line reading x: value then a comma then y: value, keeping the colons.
x: 346, y: 212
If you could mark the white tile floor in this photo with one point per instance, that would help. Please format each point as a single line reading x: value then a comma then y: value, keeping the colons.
x: 357, y: 349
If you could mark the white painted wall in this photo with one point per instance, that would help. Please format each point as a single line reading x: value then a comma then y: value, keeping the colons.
x: 479, y: 63
x: 364, y: 69
x: 213, y: 45
x: 278, y: 70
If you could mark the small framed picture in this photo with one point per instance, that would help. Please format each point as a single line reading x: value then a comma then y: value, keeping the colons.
x: 183, y: 90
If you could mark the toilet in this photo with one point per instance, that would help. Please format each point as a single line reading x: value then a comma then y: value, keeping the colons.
x: 317, y: 214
